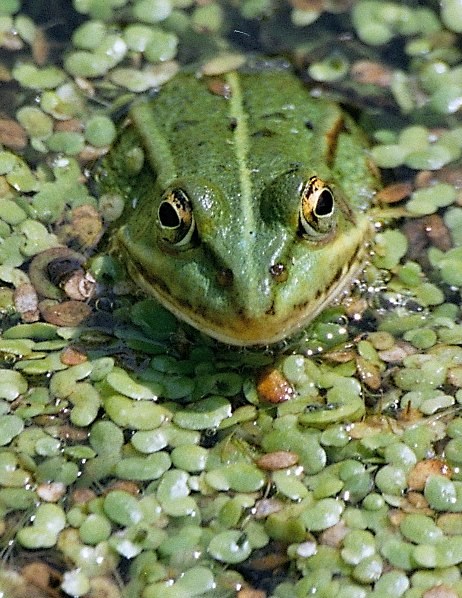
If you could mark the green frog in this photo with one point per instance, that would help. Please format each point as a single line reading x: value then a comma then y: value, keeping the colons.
x: 246, y: 202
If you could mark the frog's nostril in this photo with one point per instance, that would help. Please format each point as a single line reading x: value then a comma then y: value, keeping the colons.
x: 225, y: 277
x: 278, y: 272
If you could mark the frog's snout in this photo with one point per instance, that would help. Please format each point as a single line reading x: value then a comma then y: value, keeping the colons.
x: 249, y: 288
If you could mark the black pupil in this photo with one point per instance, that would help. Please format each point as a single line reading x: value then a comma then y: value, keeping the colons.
x: 325, y: 203
x: 168, y: 216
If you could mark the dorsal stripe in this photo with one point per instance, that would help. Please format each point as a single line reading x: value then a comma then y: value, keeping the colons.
x: 241, y: 145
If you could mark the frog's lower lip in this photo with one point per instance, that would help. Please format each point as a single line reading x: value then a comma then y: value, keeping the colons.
x: 245, y: 332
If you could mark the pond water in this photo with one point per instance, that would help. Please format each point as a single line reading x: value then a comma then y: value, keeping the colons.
x: 141, y: 458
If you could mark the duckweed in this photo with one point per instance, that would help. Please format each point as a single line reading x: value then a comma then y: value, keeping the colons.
x: 37, y: 124
x: 67, y: 142
x: 75, y: 583
x: 100, y: 131
x: 12, y: 384
x: 121, y: 382
x: 323, y: 514
x: 94, y: 529
x: 391, y: 246
x: 134, y: 414
x: 161, y: 47
x: 89, y: 35
x: 330, y: 69
x: 293, y: 488
x: 440, y: 493
x: 49, y: 520
x: 10, y: 426
x: 149, y: 467
x: 86, y: 64
x: 230, y: 547
x: 29, y: 75
x: 57, y: 469
x: 240, y: 477
x: 86, y: 403
x: 10, y: 7
x: 420, y: 529
x: 160, y: 455
x: 428, y: 200
x: 122, y: 508
x: 204, y: 414
x: 189, y: 457
x: 152, y: 11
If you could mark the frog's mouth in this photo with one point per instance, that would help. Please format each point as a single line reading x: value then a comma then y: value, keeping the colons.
x: 242, y: 331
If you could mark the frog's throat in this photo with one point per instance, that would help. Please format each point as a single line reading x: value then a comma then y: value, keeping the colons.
x: 244, y: 332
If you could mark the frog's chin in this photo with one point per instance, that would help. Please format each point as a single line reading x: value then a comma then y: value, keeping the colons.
x: 247, y: 332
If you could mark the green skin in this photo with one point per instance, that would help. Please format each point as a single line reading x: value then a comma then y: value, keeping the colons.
x: 242, y: 159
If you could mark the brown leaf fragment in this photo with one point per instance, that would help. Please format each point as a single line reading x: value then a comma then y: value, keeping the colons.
x: 333, y: 536
x: 440, y: 591
x: 250, y: 593
x: 277, y: 460
x: 394, y: 193
x: 40, y: 47
x: 398, y: 352
x: 80, y: 286
x: 43, y: 577
x: 422, y: 470
x: 84, y: 229
x: 368, y: 373
x: 308, y: 5
x: 72, y: 356
x: 273, y: 387
x: 80, y: 496
x: 437, y: 232
x: 51, y: 491
x: 219, y: 87
x: 267, y: 506
x: 67, y: 313
x: 371, y: 72
x: 12, y: 135
x: 26, y: 302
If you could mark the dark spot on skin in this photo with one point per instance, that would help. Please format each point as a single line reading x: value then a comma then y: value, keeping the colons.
x: 293, y: 166
x: 183, y: 124
x: 201, y: 311
x: 309, y: 125
x: 275, y: 115
x: 338, y: 274
x: 232, y: 124
x: 279, y: 272
x: 263, y: 133
x: 270, y: 311
x: 225, y: 277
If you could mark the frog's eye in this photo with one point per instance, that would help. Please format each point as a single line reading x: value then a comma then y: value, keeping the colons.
x: 316, y: 208
x: 175, y: 218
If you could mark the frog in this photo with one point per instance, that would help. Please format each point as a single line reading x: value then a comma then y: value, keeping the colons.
x: 247, y: 202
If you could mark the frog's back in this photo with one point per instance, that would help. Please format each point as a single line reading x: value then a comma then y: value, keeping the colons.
x: 225, y: 134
